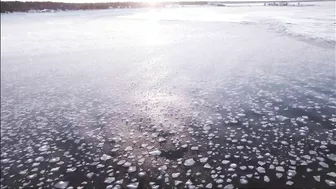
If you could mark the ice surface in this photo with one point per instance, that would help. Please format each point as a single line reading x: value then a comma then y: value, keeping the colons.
x: 105, y: 157
x: 146, y: 93
x: 61, y: 184
x: 279, y: 168
x: 229, y: 186
x: 243, y: 181
x: 203, y: 160
x: 109, y: 180
x: 89, y: 175
x: 324, y: 165
x: 332, y: 174
x: 189, y: 162
x: 225, y: 161
x: 332, y: 157
x: 128, y: 148
x: 132, y: 169
x: 175, y: 175
x: 261, y: 169
x: 54, y: 160
x: 330, y: 182
x: 133, y: 185
x: 207, y: 166
x: 44, y: 148
x: 311, y: 21
x: 155, y: 153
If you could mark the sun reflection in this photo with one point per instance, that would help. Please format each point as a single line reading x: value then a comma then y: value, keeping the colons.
x: 152, y: 3
x: 151, y: 28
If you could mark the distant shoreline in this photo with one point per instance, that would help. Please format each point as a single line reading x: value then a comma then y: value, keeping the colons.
x: 19, y: 6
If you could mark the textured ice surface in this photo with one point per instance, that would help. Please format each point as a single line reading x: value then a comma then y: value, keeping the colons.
x: 196, y: 97
x: 189, y: 162
x: 61, y: 184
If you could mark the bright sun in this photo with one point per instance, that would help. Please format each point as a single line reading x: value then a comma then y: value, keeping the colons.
x: 152, y: 3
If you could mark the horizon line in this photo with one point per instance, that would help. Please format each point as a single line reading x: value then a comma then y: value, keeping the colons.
x: 165, y: 1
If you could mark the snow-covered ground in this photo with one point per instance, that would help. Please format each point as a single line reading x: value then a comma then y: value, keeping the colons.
x: 197, y: 97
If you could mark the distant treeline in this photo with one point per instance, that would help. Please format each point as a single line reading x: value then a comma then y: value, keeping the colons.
x: 17, y: 6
